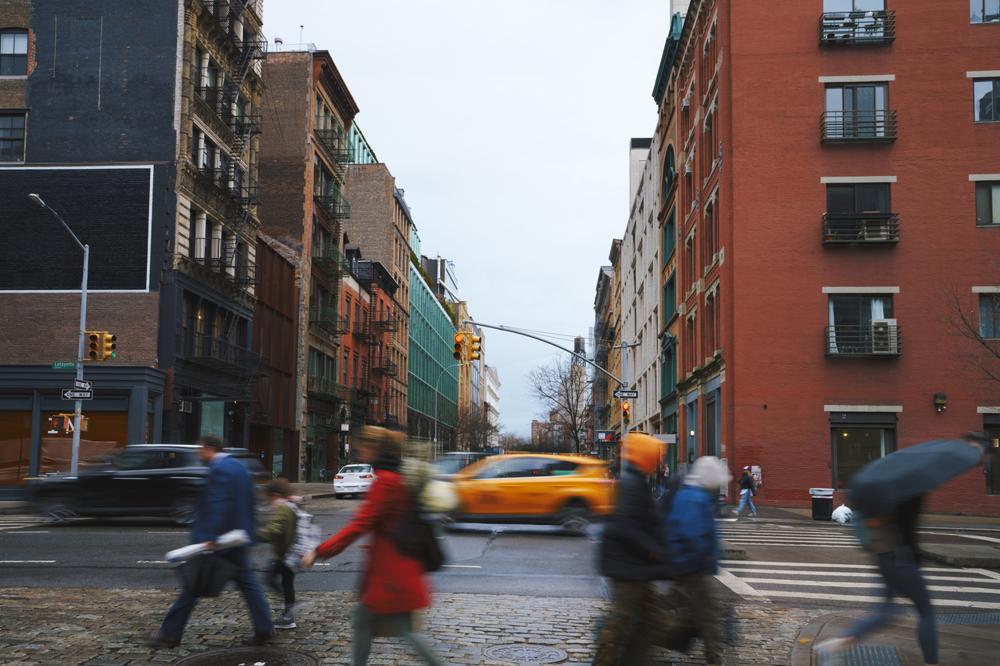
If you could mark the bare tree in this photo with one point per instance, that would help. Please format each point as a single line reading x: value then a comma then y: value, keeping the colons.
x: 475, y: 430
x: 972, y: 325
x: 562, y: 387
x: 511, y: 442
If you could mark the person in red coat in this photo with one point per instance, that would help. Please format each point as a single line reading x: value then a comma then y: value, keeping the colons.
x: 394, y: 586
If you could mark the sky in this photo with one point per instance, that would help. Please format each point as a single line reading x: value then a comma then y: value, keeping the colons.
x: 507, y: 123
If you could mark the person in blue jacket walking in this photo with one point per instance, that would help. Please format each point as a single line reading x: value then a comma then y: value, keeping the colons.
x: 693, y: 549
x: 227, y: 503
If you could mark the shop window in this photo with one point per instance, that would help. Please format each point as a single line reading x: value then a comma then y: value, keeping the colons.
x: 105, y: 433
x: 992, y: 430
x: 857, y: 444
x: 15, y: 443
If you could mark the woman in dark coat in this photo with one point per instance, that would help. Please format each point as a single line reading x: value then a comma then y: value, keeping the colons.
x: 394, y: 586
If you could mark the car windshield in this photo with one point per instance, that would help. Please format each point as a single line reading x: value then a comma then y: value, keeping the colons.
x: 354, y: 469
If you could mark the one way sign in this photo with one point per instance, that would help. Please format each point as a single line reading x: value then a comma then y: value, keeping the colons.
x: 78, y: 394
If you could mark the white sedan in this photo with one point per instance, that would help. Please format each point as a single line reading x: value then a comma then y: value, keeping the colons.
x: 353, y: 480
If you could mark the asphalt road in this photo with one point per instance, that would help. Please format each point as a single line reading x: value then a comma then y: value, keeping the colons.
x: 796, y: 563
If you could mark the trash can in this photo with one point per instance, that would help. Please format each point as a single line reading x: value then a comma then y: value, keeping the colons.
x: 822, y: 503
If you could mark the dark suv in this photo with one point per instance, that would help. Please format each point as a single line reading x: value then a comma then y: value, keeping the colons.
x: 139, y: 480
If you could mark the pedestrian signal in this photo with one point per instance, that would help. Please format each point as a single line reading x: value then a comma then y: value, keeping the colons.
x: 475, y: 347
x: 109, y: 345
x: 459, y: 346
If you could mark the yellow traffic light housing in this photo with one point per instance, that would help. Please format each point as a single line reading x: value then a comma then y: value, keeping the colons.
x: 95, y: 346
x: 626, y: 411
x: 459, y: 346
x: 109, y: 345
x: 475, y: 347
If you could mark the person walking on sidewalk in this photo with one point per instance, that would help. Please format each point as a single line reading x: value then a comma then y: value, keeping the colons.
x: 227, y: 503
x: 280, y: 533
x: 394, y: 585
x: 693, y: 549
x: 632, y: 555
x: 748, y: 488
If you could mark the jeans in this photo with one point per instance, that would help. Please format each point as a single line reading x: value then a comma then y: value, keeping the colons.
x: 625, y: 636
x: 364, y: 630
x: 901, y: 575
x: 280, y: 571
x: 746, y: 499
x: 177, y: 617
x: 706, y: 614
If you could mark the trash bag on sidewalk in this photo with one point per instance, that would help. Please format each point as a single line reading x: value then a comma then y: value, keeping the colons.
x: 843, y: 514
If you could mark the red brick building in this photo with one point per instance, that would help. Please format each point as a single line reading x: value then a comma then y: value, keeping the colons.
x: 837, y: 204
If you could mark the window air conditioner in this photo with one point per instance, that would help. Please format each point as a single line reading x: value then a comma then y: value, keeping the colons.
x: 884, y: 338
x: 687, y: 168
x: 686, y: 102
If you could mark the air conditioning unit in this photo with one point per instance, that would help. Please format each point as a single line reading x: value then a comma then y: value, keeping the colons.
x: 884, y: 338
x: 687, y: 168
x: 686, y: 102
x: 186, y: 407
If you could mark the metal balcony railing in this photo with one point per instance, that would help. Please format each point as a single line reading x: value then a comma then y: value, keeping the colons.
x: 333, y: 203
x: 860, y: 27
x: 328, y: 320
x: 215, y: 176
x: 215, y: 353
x: 385, y: 367
x: 212, y: 253
x: 363, y: 330
x: 334, y: 142
x: 857, y: 126
x: 325, y: 388
x: 330, y: 260
x: 860, y: 228
x: 387, y: 324
x: 875, y: 339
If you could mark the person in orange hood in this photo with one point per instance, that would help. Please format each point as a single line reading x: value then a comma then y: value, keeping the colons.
x: 633, y: 554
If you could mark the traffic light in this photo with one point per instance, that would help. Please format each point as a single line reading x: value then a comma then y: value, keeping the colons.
x: 475, y: 347
x: 109, y: 345
x: 95, y: 346
x: 459, y: 346
x: 626, y: 411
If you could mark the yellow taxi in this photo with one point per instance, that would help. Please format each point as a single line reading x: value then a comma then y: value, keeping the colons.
x: 535, y: 488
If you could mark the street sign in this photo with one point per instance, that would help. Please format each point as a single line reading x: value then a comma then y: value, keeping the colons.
x: 77, y: 394
x: 622, y: 393
x: 64, y: 365
x: 82, y: 384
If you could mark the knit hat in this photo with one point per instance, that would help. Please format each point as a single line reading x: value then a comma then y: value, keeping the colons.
x: 708, y: 472
x: 643, y: 451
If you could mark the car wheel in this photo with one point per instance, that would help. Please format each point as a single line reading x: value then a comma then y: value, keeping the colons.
x: 56, y: 507
x: 575, y: 517
x: 182, y: 511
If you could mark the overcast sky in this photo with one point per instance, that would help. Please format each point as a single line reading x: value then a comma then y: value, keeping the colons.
x: 507, y: 123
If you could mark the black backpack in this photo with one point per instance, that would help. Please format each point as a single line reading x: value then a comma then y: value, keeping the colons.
x: 415, y: 535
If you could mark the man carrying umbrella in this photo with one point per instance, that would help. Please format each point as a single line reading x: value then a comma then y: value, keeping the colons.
x: 887, y: 496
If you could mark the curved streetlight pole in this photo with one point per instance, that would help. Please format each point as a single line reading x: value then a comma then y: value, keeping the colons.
x: 75, y: 456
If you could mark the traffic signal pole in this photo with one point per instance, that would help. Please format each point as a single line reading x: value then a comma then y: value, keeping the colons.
x: 75, y: 456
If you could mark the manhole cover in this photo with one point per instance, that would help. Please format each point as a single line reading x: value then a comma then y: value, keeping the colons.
x: 525, y: 654
x: 249, y: 656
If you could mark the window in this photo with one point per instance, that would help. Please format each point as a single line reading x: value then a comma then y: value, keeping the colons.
x: 856, y: 110
x: 13, y: 52
x: 856, y: 199
x: 689, y: 263
x: 989, y: 315
x: 710, y: 57
x: 669, y: 298
x: 711, y: 323
x: 986, y: 100
x: 853, y: 6
x: 709, y: 142
x: 984, y: 11
x: 710, y: 235
x: 668, y: 370
x: 691, y: 421
x: 669, y: 235
x: 861, y: 324
x: 712, y: 444
x: 346, y: 367
x: 992, y: 429
x: 12, y: 137
x: 857, y: 444
x: 516, y: 467
x: 689, y: 191
x: 988, y: 203
x: 669, y: 171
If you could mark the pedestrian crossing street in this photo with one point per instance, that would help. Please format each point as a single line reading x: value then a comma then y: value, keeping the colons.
x: 752, y: 533
x: 856, y: 583
x: 17, y: 522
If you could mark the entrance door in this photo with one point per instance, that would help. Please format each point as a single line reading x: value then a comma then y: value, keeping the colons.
x: 993, y: 460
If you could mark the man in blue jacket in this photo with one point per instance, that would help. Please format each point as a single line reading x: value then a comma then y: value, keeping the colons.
x: 227, y: 503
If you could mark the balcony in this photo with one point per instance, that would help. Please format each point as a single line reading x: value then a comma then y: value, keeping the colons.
x: 385, y: 367
x: 860, y: 228
x: 386, y: 324
x: 857, y: 28
x: 325, y: 388
x: 877, y: 339
x: 858, y: 126
x: 329, y: 260
x: 362, y: 330
x: 333, y: 203
x: 216, y: 354
x: 327, y: 319
x: 219, y: 257
x: 334, y: 143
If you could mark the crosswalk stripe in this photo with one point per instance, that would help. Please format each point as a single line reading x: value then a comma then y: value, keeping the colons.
x: 857, y: 584
x: 957, y: 603
x: 845, y: 574
x: 822, y: 566
x: 801, y: 545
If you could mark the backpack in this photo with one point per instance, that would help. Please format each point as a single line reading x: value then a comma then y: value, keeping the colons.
x: 307, y: 537
x: 415, y: 535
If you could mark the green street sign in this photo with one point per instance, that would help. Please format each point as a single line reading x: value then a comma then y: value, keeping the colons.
x: 64, y: 365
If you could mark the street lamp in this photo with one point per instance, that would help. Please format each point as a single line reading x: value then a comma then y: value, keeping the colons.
x: 75, y: 458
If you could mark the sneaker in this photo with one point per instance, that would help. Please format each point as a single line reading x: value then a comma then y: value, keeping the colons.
x: 285, y: 621
x: 162, y: 642
x: 258, y: 639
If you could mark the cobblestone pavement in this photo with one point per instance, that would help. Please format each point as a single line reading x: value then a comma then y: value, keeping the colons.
x: 109, y: 627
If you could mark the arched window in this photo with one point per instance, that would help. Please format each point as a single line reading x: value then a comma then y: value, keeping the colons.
x: 13, y: 52
x: 669, y: 171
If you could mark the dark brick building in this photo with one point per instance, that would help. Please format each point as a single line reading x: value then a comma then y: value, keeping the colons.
x: 137, y: 123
